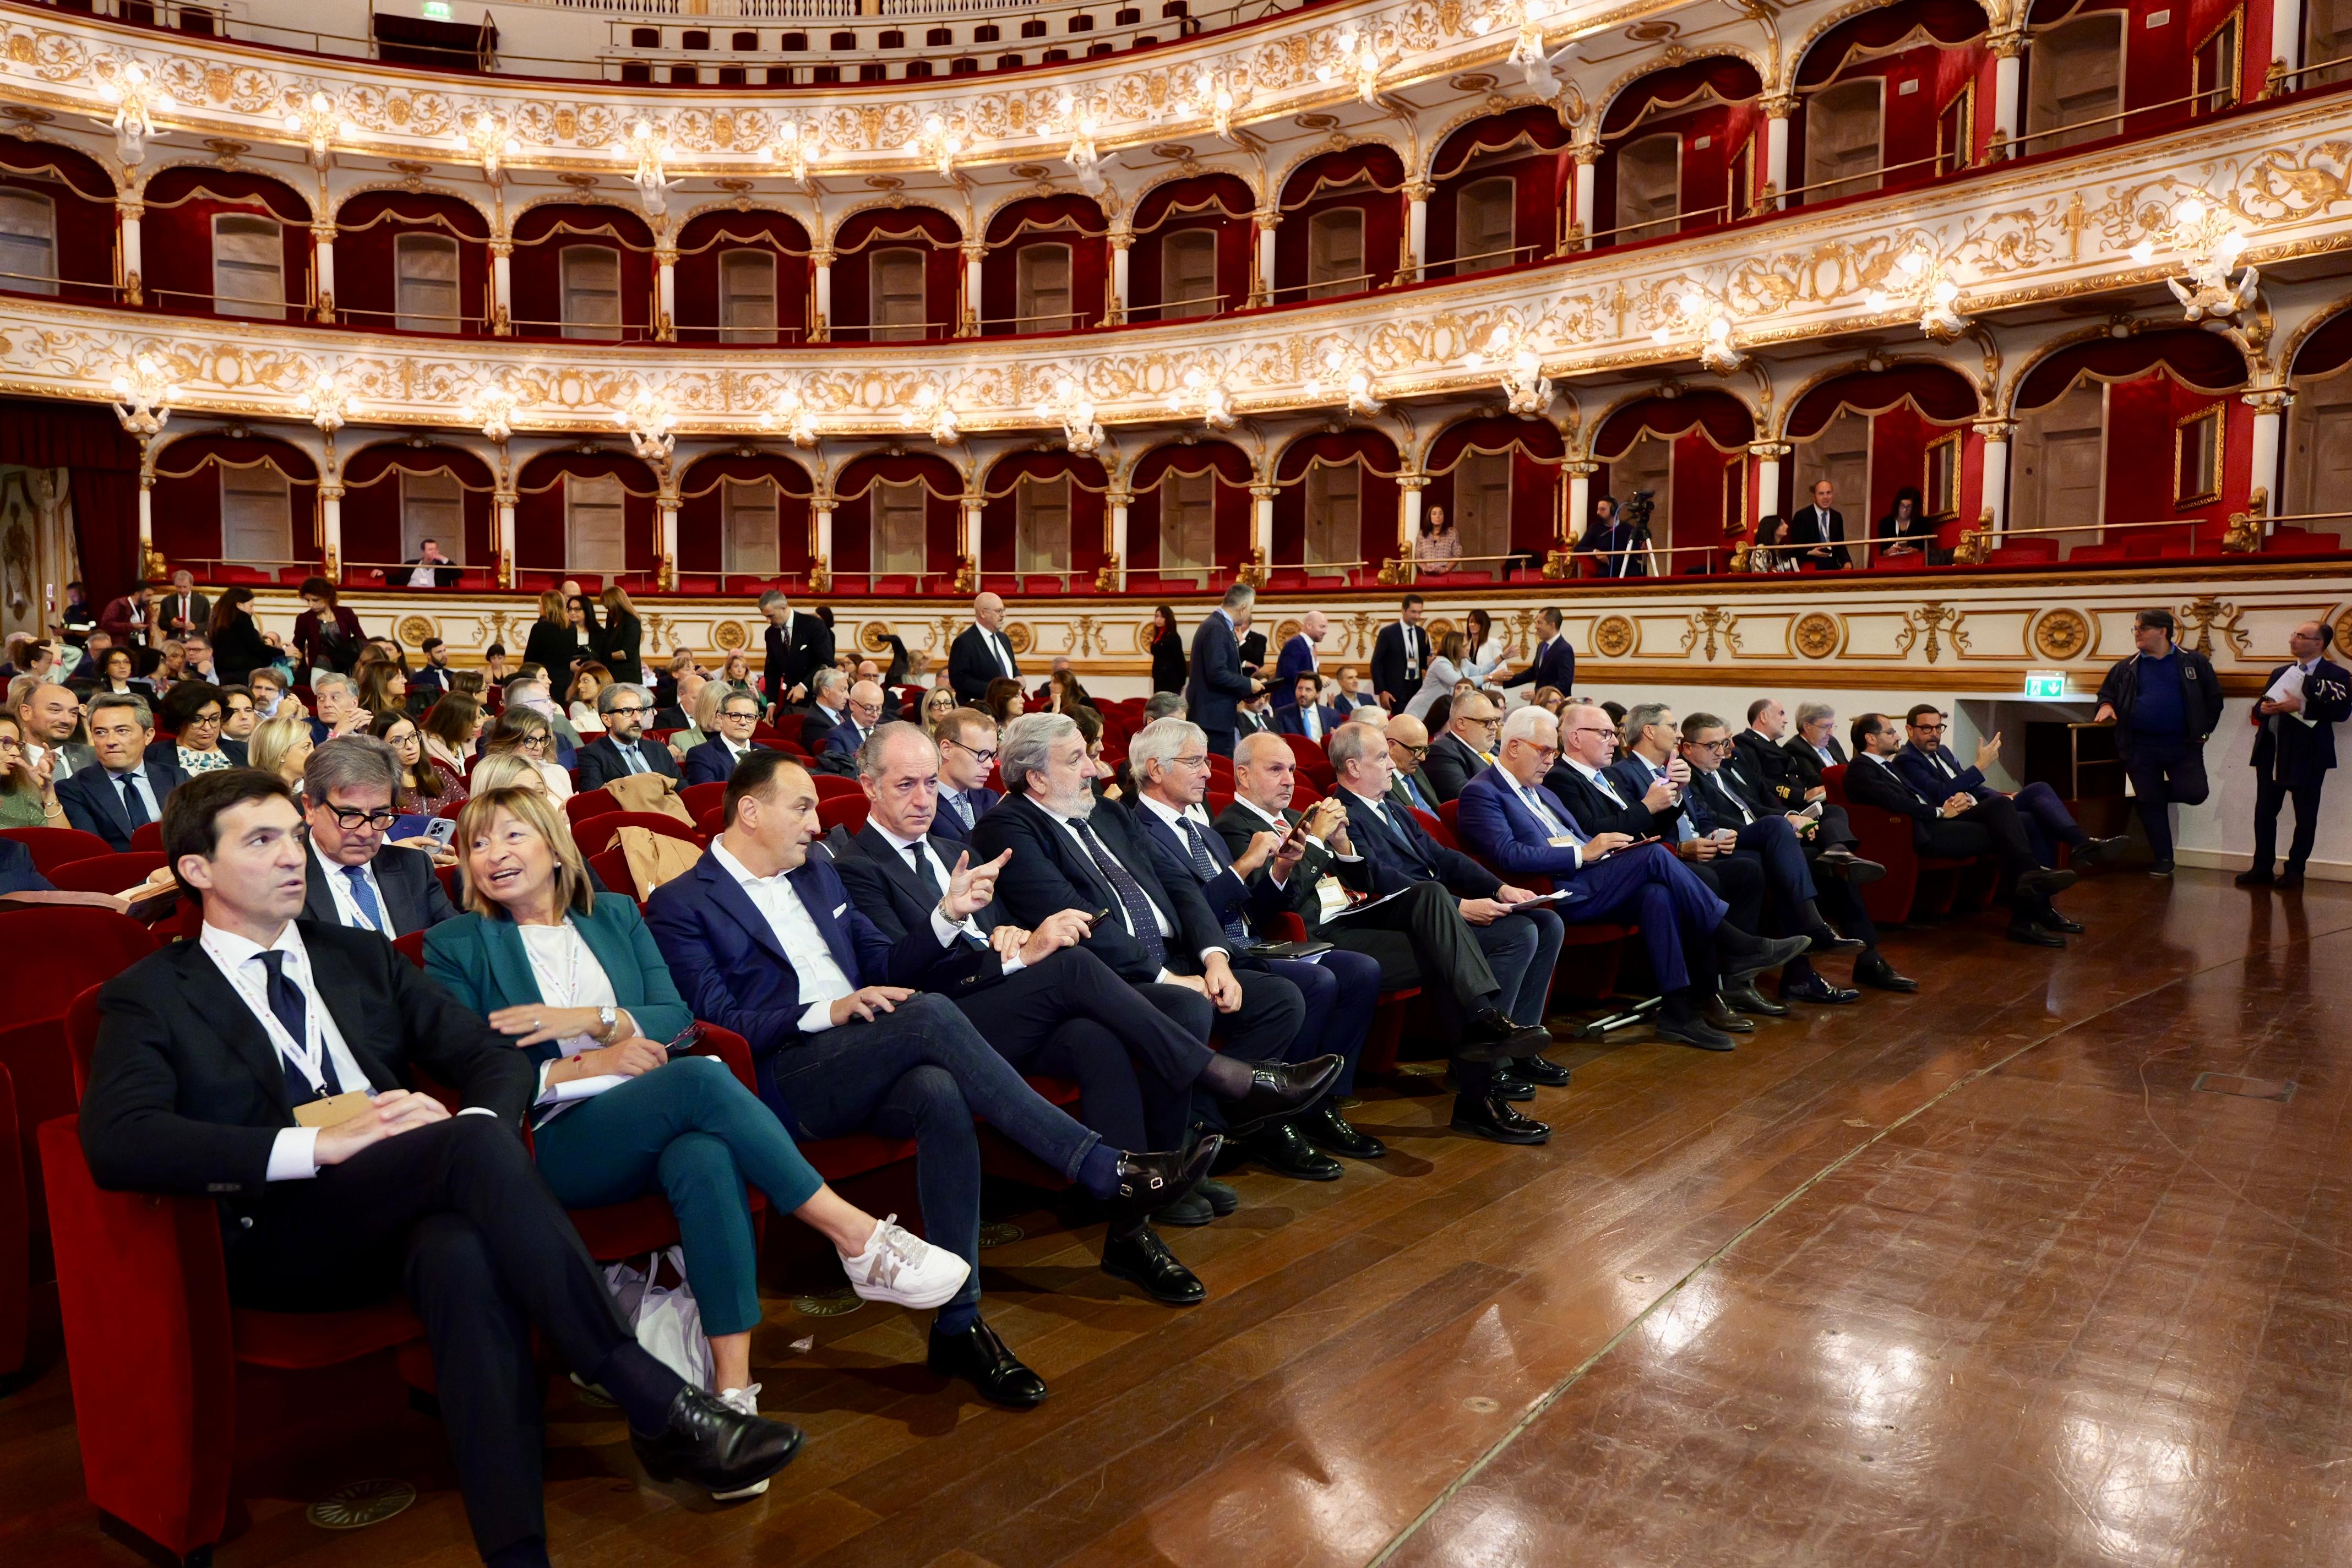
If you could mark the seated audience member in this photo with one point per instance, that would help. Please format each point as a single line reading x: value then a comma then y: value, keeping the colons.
x: 126, y: 790
x: 1004, y: 701
x: 196, y: 659
x: 51, y: 717
x: 574, y: 980
x: 1048, y: 1006
x: 828, y: 709
x: 424, y: 788
x: 1409, y: 788
x: 1245, y: 892
x: 763, y: 939
x: 268, y: 684
x: 624, y: 748
x: 528, y: 734
x: 28, y: 793
x: 431, y: 681
x: 18, y: 874
x: 109, y: 672
x: 451, y: 733
x: 966, y: 742
x: 1111, y: 782
x: 1763, y: 751
x: 1726, y: 793
x: 734, y: 716
x: 1350, y: 695
x: 1815, y: 745
x: 239, y: 715
x: 1959, y: 825
x: 1521, y: 946
x: 508, y: 770
x: 1164, y: 705
x: 865, y: 713
x: 1507, y: 816
x: 527, y: 692
x: 404, y: 1197
x: 580, y: 697
x: 195, y: 711
x: 1928, y: 766
x: 351, y: 798
x: 735, y: 673
x: 938, y: 703
x: 1775, y: 549
x: 384, y: 688
x: 1304, y: 714
x: 1460, y: 751
x: 281, y: 747
x: 339, y: 713
x: 682, y: 711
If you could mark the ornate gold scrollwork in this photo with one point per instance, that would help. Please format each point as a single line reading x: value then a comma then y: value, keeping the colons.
x: 2062, y: 634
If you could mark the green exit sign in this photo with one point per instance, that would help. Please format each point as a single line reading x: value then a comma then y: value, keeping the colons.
x: 2046, y: 685
x: 438, y: 10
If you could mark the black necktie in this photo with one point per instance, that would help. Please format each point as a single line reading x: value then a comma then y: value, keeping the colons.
x: 1130, y: 893
x: 133, y: 808
x: 923, y: 872
x: 285, y: 1001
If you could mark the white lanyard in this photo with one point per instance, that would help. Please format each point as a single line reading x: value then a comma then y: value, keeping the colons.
x: 312, y: 1051
x: 347, y: 898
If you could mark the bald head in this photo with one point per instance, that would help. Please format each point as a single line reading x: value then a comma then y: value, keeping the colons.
x: 865, y: 703
x: 988, y: 611
x: 1587, y: 734
x: 1315, y: 624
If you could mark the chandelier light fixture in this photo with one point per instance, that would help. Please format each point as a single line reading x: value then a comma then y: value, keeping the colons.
x: 794, y: 145
x: 326, y: 402
x: 487, y: 135
x: 1201, y: 393
x: 651, y: 145
x: 1918, y: 281
x: 1345, y: 374
x: 651, y: 425
x: 142, y: 398
x: 1213, y: 95
x: 2208, y: 245
x: 791, y: 417
x: 1354, y: 55
x: 931, y: 412
x: 315, y: 121
x: 1693, y: 314
x: 493, y: 409
x: 1081, y: 120
x: 1525, y: 389
x: 133, y: 91
x: 1069, y: 406
x: 938, y: 144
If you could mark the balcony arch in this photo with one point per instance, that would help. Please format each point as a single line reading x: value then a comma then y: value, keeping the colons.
x: 1875, y: 432
x: 880, y: 542
x: 1499, y: 477
x: 237, y: 508
x: 897, y: 276
x: 1191, y: 252
x: 1680, y: 150
x: 1334, y: 508
x: 60, y: 239
x: 1042, y: 531
x: 396, y: 494
x: 1498, y: 185
x: 1929, y: 65
x: 2317, y: 466
x: 586, y: 515
x: 742, y: 276
x: 1047, y: 268
x: 1691, y: 452
x: 743, y: 524
x: 1342, y: 224
x: 413, y: 261
x: 583, y: 270
x: 224, y: 242
x: 1191, y: 513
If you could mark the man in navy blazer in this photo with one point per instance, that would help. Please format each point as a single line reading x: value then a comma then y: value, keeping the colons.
x: 1400, y: 657
x: 623, y: 749
x: 126, y: 789
x: 1554, y: 664
x: 2294, y: 750
x: 763, y: 939
x: 356, y: 880
x: 1302, y: 715
x: 1298, y: 656
x: 17, y: 872
x: 1218, y: 685
x: 714, y: 760
x: 864, y: 716
x: 1928, y: 766
x: 966, y: 742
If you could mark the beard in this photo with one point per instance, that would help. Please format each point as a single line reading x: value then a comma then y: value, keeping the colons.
x: 1080, y: 806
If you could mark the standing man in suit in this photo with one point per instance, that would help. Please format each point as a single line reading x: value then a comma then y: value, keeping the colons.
x: 2295, y: 748
x: 714, y: 760
x: 1961, y: 826
x: 966, y: 742
x: 1461, y: 754
x: 124, y: 789
x: 1554, y: 664
x: 849, y: 736
x: 1300, y: 657
x: 1399, y: 657
x: 184, y: 612
x: 1410, y: 786
x: 1615, y: 545
x: 2164, y: 700
x: 982, y: 652
x: 623, y: 749
x: 355, y: 879
x: 1815, y: 745
x: 204, y: 1050
x: 1218, y: 685
x: 1928, y: 765
x: 797, y: 647
x: 1303, y: 715
x: 1818, y: 531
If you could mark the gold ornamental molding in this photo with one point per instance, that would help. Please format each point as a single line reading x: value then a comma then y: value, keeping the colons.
x: 2061, y: 633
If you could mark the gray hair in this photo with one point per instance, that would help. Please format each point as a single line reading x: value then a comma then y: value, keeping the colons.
x: 613, y: 693
x: 523, y: 687
x: 771, y: 598
x: 1354, y: 743
x: 1814, y: 713
x: 1163, y: 705
x: 1158, y: 741
x: 1530, y: 723
x: 824, y: 680
x: 350, y: 761
x: 1241, y: 595
x: 131, y: 699
x: 1022, y: 745
x: 870, y: 755
x: 1640, y: 717
x: 331, y: 681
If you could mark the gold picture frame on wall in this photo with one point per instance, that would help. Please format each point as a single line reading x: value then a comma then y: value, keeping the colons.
x: 1939, y: 485
x: 2196, y: 457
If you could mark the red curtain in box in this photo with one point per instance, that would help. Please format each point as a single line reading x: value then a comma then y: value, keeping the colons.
x: 852, y: 517
x: 1723, y: 419
x: 540, y: 535
x: 1535, y: 484
x: 1370, y: 177
x: 175, y: 235
x: 1710, y: 431
x: 2324, y: 352
x: 187, y: 498
x: 83, y: 198
x: 1231, y: 503
x: 2197, y: 358
x: 1529, y: 147
x: 368, y: 231
x: 1933, y: 48
x: 882, y: 228
x: 1073, y: 221
x: 1710, y: 107
x: 541, y: 235
x: 1000, y: 521
x: 1220, y: 204
x: 1376, y: 504
x: 711, y: 235
x: 371, y: 511
x: 701, y: 513
x: 102, y: 479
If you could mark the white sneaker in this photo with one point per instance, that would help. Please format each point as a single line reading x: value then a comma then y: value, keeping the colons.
x: 746, y: 1401
x: 903, y: 1269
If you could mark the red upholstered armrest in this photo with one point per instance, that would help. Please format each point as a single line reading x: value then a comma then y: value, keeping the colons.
x: 16, y: 1237
x: 734, y: 1050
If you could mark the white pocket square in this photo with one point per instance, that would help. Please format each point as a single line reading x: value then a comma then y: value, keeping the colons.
x: 841, y: 911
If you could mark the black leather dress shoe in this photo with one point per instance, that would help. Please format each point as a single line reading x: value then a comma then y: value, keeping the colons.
x: 1490, y: 1035
x: 1279, y: 1090
x: 1188, y: 1211
x: 2038, y: 884
x: 1768, y: 953
x: 1539, y: 1070
x: 1148, y: 1181
x: 2096, y: 850
x: 1839, y: 860
x: 2029, y: 936
x: 2290, y: 878
x: 1509, y: 1086
x: 1693, y: 1031
x: 1221, y: 1199
x: 2155, y: 868
x: 2254, y: 876
x: 1879, y: 976
x: 1826, y: 940
x: 1492, y: 1119
x: 714, y: 1447
x: 1142, y: 1259
x: 1282, y: 1149
x: 980, y: 1358
x: 2051, y: 920
x: 1748, y: 999
x: 1326, y: 1128
x: 1722, y: 1019
x: 1817, y: 990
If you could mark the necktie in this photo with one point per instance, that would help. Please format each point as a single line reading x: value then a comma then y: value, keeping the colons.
x: 1600, y: 781
x: 923, y: 872
x: 1412, y: 654
x: 1946, y: 766
x: 962, y: 810
x: 1412, y: 792
x: 285, y: 1001
x: 1003, y: 654
x: 364, y: 899
x: 1130, y: 893
x: 1738, y: 807
x: 1544, y: 813
x: 1205, y: 866
x: 133, y: 809
x: 1314, y: 725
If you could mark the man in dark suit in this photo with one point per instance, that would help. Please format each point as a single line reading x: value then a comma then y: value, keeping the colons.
x: 1252, y: 652
x: 1521, y: 945
x: 797, y: 647
x: 1350, y: 694
x: 1298, y: 657
x: 1218, y: 684
x: 430, y: 681
x: 17, y: 872
x: 1254, y: 716
x: 1462, y: 754
x: 865, y: 715
x: 982, y: 652
x: 1961, y: 826
x: 2164, y: 700
x: 828, y: 691
x: 1554, y: 664
x: 431, y: 568
x: 763, y: 939
x: 1818, y: 531
x: 714, y: 760
x: 1764, y: 758
x: 1613, y: 544
x: 1410, y: 786
x: 1815, y: 745
x: 184, y: 612
x: 125, y: 789
x: 623, y: 749
x: 356, y: 880
x: 204, y: 1052
x: 1928, y: 766
x: 2294, y: 748
x: 1303, y: 715
x: 966, y: 742
x: 1400, y: 657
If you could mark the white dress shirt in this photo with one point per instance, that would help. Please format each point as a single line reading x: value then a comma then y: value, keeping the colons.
x: 1004, y: 654
x: 1533, y: 798
x: 947, y: 931
x: 422, y: 576
x: 822, y: 980
x: 1087, y: 840
x: 1598, y: 780
x: 347, y: 908
x: 1685, y: 830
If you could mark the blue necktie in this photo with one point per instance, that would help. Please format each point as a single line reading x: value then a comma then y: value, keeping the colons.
x: 1205, y: 866
x: 1130, y: 894
x: 363, y: 898
x: 285, y: 1001
x: 133, y: 808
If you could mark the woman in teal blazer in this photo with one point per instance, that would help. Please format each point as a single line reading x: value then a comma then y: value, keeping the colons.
x: 575, y: 977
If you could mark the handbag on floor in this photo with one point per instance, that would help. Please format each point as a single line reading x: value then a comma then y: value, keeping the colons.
x: 667, y: 1322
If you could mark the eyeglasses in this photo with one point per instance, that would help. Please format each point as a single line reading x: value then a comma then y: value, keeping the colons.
x: 352, y: 821
x: 210, y: 717
x: 983, y: 758
x: 1416, y: 752
x: 1928, y: 729
x: 1594, y: 730
x: 1720, y: 748
x: 10, y: 743
x: 626, y: 713
x: 738, y: 716
x: 533, y: 742
x: 1543, y: 753
x: 1198, y: 760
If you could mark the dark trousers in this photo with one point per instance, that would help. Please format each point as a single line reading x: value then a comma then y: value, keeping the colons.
x: 1522, y: 951
x: 1773, y: 841
x: 2049, y: 824
x: 1993, y: 826
x: 924, y: 1072
x: 1263, y: 1028
x: 2269, y: 795
x: 1421, y: 939
x: 1739, y: 881
x: 2166, y: 772
x: 1676, y: 912
x: 1339, y: 989
x: 455, y: 1215
x: 1221, y: 742
x: 1071, y: 1016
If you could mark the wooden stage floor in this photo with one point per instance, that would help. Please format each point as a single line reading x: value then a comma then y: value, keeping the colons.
x: 1977, y: 1276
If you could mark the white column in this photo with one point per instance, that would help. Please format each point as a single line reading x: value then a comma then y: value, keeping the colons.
x: 968, y: 545
x: 1776, y: 150
x: 2286, y: 34
x: 330, y: 529
x: 2008, y: 50
x: 126, y: 210
x: 1409, y: 488
x: 1116, y: 542
x: 1262, y: 288
x: 502, y: 539
x: 665, y: 296
x: 820, y: 292
x: 968, y: 326
x: 821, y: 540
x: 666, y: 541
x: 146, y: 522
x: 1579, y: 502
x: 1119, y: 296
x: 2269, y: 408
x: 1993, y: 505
x: 1588, y: 182
x: 1417, y: 231
x: 502, y: 288
x: 1768, y: 456
x: 322, y: 270
x: 1262, y: 522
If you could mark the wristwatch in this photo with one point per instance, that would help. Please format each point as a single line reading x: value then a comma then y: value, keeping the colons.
x: 609, y: 1019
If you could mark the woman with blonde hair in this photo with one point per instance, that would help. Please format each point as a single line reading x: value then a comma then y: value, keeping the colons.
x: 554, y: 643
x: 938, y: 703
x: 507, y: 770
x: 735, y: 675
x: 529, y: 736
x: 281, y: 745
